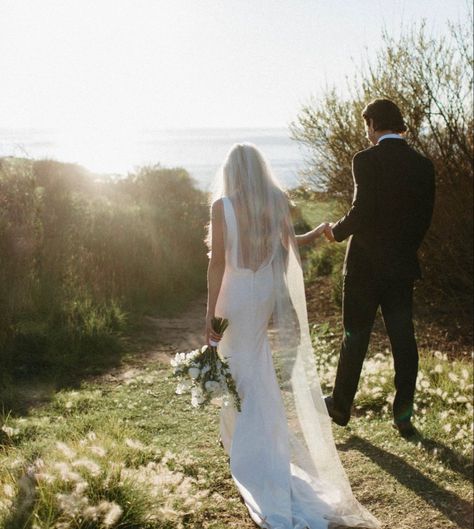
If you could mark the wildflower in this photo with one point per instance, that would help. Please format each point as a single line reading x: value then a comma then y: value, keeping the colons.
x: 98, y: 450
x: 64, y: 448
x: 72, y: 504
x: 92, y: 467
x: 136, y: 445
x: 81, y: 487
x: 447, y: 427
x: 91, y: 436
x: 11, y: 432
x: 65, y: 472
x: 45, y: 477
x: 91, y: 513
x: 8, y: 490
x: 113, y: 515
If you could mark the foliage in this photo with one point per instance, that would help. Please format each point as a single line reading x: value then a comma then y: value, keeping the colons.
x: 78, y: 254
x: 431, y: 79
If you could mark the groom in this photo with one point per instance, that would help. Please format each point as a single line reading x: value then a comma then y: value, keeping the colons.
x: 390, y: 214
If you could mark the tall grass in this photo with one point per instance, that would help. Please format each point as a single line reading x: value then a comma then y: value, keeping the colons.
x: 79, y: 254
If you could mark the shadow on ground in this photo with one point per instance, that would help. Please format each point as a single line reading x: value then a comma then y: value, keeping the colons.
x: 448, y: 503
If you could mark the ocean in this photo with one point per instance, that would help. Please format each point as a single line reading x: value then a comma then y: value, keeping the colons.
x: 199, y: 151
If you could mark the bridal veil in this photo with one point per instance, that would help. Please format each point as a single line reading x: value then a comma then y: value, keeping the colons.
x: 266, y: 238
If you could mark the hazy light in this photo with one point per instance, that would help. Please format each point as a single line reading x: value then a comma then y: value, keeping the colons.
x: 101, y: 72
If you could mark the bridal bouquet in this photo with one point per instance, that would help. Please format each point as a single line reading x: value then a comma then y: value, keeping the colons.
x: 204, y: 374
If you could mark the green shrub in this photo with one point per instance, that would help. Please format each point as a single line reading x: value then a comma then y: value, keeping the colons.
x: 78, y: 254
x: 431, y: 79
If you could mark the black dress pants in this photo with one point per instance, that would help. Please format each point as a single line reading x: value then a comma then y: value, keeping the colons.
x: 361, y: 298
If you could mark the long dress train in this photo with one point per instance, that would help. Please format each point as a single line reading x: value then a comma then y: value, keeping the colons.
x: 284, y: 483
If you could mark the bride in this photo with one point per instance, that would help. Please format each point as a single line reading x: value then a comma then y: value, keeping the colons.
x: 283, y: 457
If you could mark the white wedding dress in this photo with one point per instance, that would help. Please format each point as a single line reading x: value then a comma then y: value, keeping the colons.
x: 282, y: 454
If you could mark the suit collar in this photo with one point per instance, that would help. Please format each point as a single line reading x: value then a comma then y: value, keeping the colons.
x: 391, y: 136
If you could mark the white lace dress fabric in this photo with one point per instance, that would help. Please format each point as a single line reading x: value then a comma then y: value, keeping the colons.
x: 281, y: 481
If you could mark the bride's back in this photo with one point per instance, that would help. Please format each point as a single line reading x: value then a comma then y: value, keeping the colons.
x: 258, y: 202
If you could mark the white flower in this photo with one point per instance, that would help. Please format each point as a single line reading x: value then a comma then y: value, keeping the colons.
x: 194, y: 372
x: 212, y: 386
x: 179, y: 358
x: 197, y: 398
x: 193, y: 354
x: 183, y: 387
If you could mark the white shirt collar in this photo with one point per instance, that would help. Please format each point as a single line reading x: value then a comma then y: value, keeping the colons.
x: 390, y: 136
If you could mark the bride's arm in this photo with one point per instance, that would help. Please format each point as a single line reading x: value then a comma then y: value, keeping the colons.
x: 216, y: 267
x: 310, y: 236
x: 301, y: 240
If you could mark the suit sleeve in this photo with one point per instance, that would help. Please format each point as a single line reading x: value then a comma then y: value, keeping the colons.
x: 363, y: 202
x: 425, y: 212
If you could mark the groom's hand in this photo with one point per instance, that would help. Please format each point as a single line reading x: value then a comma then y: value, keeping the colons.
x: 328, y: 233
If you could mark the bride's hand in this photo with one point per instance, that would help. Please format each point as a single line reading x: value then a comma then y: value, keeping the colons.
x: 210, y: 333
x: 320, y: 229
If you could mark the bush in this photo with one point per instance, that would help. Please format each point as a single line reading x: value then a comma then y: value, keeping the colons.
x: 431, y: 79
x: 78, y: 253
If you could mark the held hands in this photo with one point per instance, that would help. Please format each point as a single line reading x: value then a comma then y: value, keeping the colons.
x: 328, y: 232
x: 326, y: 229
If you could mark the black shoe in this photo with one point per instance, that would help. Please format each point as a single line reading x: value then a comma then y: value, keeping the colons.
x: 338, y: 417
x: 405, y: 429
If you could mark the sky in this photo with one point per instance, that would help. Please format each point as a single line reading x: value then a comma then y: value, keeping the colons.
x: 149, y: 64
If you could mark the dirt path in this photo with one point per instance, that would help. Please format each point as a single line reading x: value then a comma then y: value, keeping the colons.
x: 159, y: 338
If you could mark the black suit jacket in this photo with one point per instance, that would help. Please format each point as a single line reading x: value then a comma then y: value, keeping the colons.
x: 394, y: 189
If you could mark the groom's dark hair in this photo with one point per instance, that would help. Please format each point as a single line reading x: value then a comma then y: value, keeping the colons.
x: 385, y: 115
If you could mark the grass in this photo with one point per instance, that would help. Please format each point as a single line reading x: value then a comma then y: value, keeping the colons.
x: 126, y: 451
